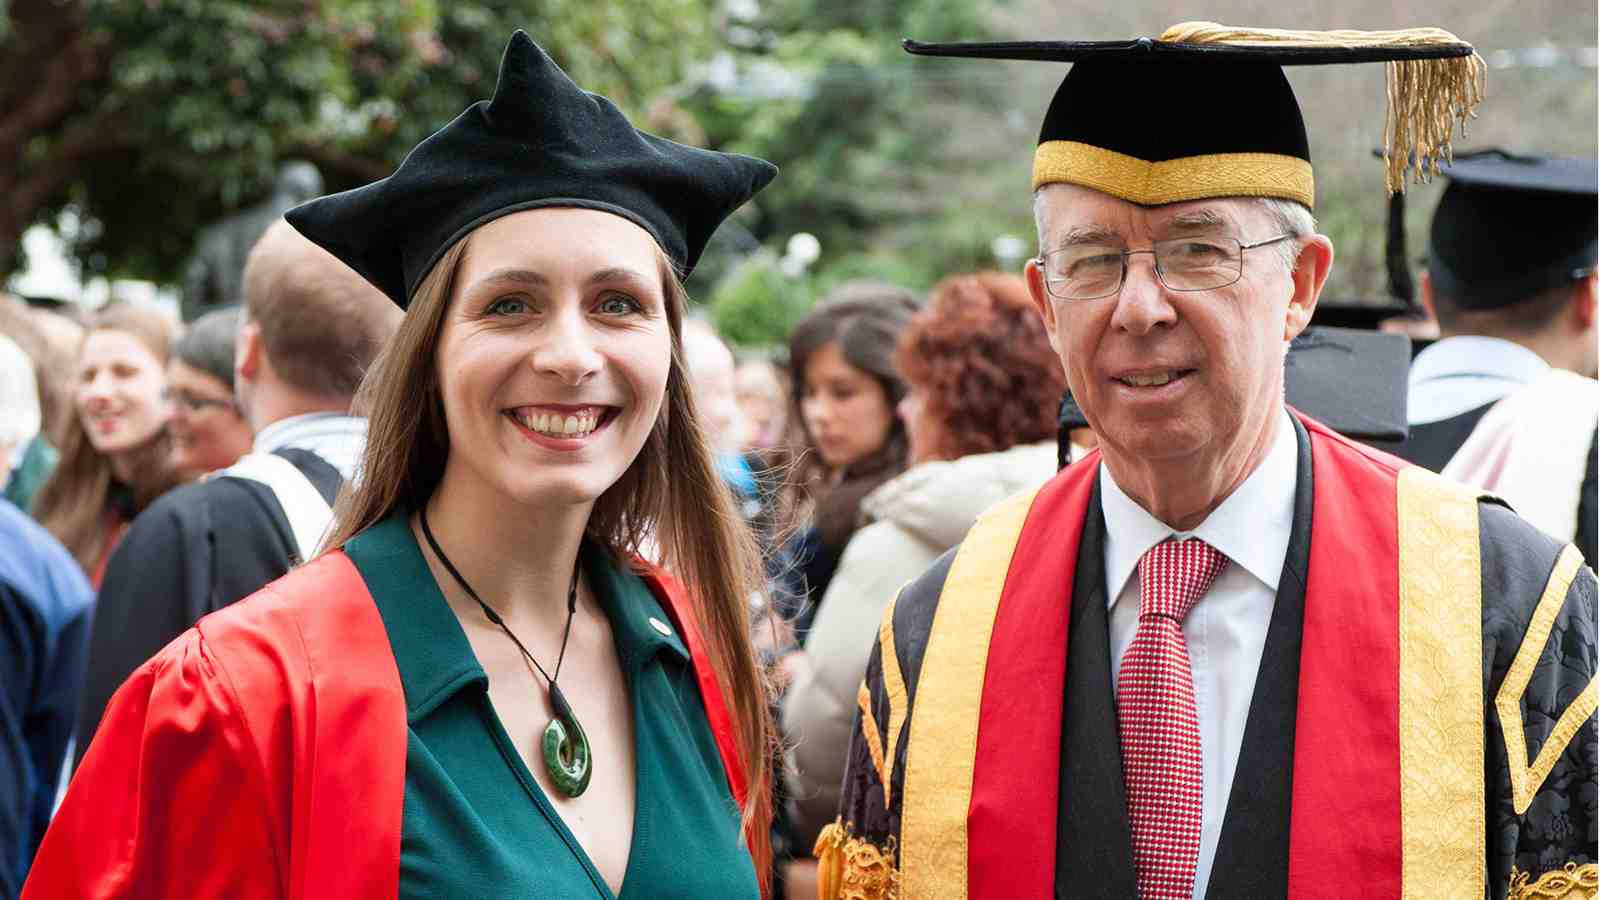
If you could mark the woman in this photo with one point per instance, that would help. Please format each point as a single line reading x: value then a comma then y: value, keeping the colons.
x: 208, y: 431
x: 115, y: 458
x: 844, y: 395
x: 979, y: 410
x: 483, y: 691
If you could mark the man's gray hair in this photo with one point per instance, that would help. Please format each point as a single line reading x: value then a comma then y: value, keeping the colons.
x: 1287, y: 217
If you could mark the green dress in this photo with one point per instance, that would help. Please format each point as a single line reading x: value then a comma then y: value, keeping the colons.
x: 475, y: 822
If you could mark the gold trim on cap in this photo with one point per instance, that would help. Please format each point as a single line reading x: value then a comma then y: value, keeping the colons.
x: 1174, y: 180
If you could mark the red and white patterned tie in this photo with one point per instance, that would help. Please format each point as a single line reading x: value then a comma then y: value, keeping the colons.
x: 1160, y: 728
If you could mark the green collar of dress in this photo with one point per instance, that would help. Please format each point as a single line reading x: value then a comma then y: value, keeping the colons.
x: 430, y: 649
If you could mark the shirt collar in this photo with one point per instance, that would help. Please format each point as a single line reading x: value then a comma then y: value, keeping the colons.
x: 1251, y: 526
x: 335, y: 437
x: 432, y: 653
x: 1471, y: 354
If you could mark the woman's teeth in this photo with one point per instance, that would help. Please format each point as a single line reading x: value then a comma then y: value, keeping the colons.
x: 577, y: 425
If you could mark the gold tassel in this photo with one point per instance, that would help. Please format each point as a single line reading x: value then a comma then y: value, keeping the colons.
x: 850, y: 868
x: 1427, y: 97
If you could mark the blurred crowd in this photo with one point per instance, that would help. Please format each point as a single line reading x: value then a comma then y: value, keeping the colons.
x: 858, y: 454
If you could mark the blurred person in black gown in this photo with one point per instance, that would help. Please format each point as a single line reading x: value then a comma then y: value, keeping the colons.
x: 1507, y: 400
x: 310, y: 328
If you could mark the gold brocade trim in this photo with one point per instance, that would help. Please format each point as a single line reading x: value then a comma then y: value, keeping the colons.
x: 869, y: 730
x: 1174, y: 180
x: 1442, y: 828
x: 937, y: 789
x: 894, y: 688
x: 1571, y: 882
x: 1526, y: 779
x: 1428, y: 98
x: 850, y: 868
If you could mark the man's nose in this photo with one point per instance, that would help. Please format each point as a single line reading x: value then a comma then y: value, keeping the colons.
x: 1142, y: 304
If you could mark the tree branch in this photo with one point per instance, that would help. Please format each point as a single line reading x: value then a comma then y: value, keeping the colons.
x: 50, y: 96
x: 23, y: 193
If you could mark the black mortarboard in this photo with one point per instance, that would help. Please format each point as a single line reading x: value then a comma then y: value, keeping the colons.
x: 1205, y: 110
x: 1351, y: 380
x: 540, y: 141
x: 1509, y: 228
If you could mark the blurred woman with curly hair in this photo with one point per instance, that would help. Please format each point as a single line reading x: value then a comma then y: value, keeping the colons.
x: 982, y: 385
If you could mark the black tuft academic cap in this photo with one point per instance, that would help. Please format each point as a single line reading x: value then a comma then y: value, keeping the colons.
x: 1205, y: 110
x: 1509, y: 228
x: 541, y: 141
x: 1351, y: 380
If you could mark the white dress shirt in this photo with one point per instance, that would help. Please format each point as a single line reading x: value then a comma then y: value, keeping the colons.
x: 1465, y: 372
x: 1227, y: 629
x: 337, y: 438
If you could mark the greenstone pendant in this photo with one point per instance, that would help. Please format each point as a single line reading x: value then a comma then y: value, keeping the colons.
x: 566, y: 748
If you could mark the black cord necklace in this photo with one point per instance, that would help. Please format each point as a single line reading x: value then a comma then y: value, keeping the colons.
x: 566, y: 747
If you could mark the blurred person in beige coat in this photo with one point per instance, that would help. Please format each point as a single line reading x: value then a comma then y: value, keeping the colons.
x: 982, y: 384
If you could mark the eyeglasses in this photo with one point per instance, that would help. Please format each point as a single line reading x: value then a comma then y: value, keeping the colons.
x: 194, y: 404
x: 1092, y: 271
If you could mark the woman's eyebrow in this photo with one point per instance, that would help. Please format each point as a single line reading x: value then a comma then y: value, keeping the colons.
x: 514, y: 276
x: 534, y: 278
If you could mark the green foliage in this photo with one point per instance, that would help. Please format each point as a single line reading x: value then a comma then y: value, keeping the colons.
x: 196, y: 101
x: 828, y: 95
x: 757, y: 304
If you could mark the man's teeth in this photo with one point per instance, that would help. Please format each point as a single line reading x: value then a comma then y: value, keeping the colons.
x: 1148, y: 380
x: 555, y: 424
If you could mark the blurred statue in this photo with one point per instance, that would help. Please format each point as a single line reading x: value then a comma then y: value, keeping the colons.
x: 214, y: 276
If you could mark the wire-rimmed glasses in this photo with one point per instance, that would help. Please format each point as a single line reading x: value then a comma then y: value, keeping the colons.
x: 1092, y: 271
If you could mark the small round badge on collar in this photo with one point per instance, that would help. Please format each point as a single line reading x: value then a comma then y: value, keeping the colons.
x: 661, y: 626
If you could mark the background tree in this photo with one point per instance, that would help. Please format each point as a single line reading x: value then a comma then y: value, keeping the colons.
x: 151, y: 118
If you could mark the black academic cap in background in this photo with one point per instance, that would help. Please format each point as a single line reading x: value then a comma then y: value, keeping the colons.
x: 1352, y: 380
x: 1509, y: 228
x: 541, y: 141
x: 1205, y: 110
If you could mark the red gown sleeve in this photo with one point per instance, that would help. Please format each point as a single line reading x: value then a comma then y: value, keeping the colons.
x: 171, y: 799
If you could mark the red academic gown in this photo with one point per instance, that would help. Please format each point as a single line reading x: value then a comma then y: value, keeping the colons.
x: 262, y: 755
x: 1385, y: 753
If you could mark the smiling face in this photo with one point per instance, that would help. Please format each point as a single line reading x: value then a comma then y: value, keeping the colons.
x: 208, y: 433
x: 118, y: 398
x: 553, y: 355
x: 1167, y: 375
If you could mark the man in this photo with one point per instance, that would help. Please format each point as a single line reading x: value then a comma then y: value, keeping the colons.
x: 1507, y: 401
x: 45, y: 607
x: 1229, y: 653
x: 310, y: 328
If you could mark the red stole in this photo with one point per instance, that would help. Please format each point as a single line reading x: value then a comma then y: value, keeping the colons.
x: 1346, y: 797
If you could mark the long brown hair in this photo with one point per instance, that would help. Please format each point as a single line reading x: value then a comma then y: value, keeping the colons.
x: 671, y: 493
x: 73, y: 503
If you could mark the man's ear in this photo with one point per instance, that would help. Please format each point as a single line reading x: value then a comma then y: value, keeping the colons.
x: 1041, y: 300
x: 1425, y: 294
x: 1583, y: 302
x: 1310, y: 274
x: 247, y: 352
